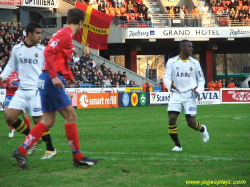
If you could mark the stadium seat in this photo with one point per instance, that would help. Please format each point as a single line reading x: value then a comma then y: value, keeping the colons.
x: 112, y: 11
x: 136, y: 15
x: 142, y: 25
x: 135, y: 9
x: 223, y: 22
x: 123, y: 10
x: 118, y: 11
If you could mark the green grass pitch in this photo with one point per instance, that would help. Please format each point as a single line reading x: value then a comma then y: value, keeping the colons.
x: 133, y: 148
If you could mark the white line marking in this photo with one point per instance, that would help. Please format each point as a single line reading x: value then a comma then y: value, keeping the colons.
x: 172, y: 156
x: 239, y: 117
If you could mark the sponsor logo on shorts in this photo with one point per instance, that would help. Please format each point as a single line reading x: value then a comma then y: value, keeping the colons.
x: 37, y: 109
x: 143, y: 99
x: 134, y: 99
x: 192, y: 109
x: 125, y: 99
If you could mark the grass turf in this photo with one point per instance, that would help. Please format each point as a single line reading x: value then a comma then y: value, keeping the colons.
x: 133, y: 148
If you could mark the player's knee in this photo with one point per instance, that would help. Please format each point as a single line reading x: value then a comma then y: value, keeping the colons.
x: 10, y: 119
x: 71, y: 118
x: 48, y: 122
x: 37, y: 119
x: 172, y: 120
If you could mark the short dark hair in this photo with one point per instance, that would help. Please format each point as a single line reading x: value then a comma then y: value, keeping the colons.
x: 183, y: 43
x: 31, y: 27
x: 75, y: 15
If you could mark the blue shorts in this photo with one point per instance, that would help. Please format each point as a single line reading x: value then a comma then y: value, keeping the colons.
x: 7, y: 100
x: 52, y: 98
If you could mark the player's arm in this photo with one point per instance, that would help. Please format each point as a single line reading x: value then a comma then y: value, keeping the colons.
x: 10, y: 67
x: 167, y: 79
x: 167, y: 75
x: 200, y: 81
x: 3, y: 85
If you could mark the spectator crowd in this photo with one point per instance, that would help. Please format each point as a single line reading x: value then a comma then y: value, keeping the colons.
x: 11, y: 35
x: 237, y: 11
x: 84, y: 68
x: 218, y: 84
x: 129, y: 12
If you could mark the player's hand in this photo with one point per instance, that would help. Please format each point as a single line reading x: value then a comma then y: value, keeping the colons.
x: 11, y: 81
x: 174, y: 87
x: 197, y: 94
x: 73, y: 81
x: 57, y: 83
x: 1, y: 79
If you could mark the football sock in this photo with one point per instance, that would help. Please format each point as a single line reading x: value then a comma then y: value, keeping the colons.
x: 36, y: 132
x: 11, y: 128
x: 198, y: 127
x: 21, y: 127
x: 47, y: 139
x: 172, y: 130
x: 27, y: 122
x: 72, y: 136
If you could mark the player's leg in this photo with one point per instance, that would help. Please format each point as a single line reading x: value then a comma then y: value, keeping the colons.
x: 196, y: 125
x: 34, y: 104
x: 35, y: 134
x: 18, y: 124
x: 190, y: 109
x: 71, y: 131
x: 174, y: 108
x: 17, y: 106
x: 50, y: 150
x: 12, y: 129
x: 173, y: 130
x: 26, y: 119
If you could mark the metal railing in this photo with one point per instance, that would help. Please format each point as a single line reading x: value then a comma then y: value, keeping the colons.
x: 164, y: 20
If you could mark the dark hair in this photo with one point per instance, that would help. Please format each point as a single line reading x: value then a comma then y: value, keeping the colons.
x: 75, y: 15
x: 31, y: 27
x: 183, y: 43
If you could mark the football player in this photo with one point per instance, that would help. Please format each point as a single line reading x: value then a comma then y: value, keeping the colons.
x: 11, y: 85
x: 183, y: 74
x: 28, y: 58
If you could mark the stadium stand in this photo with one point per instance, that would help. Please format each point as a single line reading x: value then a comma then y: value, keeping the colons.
x: 83, y: 68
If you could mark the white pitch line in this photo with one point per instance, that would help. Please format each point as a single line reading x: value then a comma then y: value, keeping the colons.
x: 168, y: 156
x: 239, y: 117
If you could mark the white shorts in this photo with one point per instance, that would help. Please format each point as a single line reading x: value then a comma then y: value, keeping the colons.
x: 27, y: 99
x: 185, y: 100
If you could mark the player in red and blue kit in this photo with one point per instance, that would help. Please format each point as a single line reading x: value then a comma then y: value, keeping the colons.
x: 11, y: 85
x: 58, y: 54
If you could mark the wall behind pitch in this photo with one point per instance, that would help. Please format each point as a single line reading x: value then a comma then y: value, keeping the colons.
x: 133, y: 99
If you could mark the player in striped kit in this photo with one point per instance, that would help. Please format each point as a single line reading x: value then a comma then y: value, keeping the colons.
x: 183, y: 74
x: 11, y: 85
x: 28, y: 58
